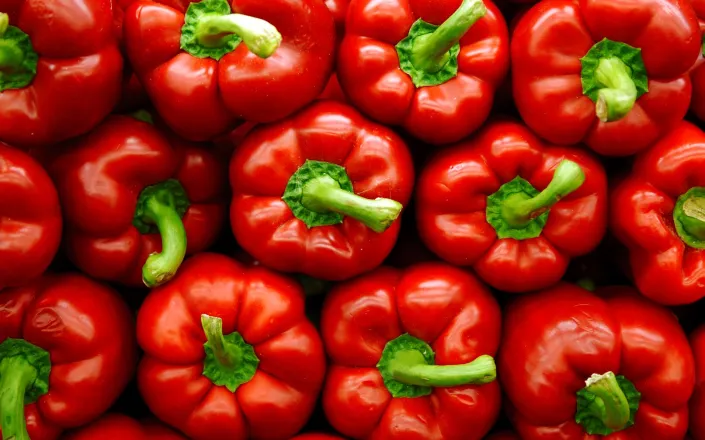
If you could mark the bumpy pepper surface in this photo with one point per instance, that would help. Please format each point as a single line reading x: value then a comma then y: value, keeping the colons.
x: 697, y: 75
x: 137, y: 200
x: 431, y: 66
x: 229, y: 352
x: 60, y: 69
x: 411, y: 355
x: 207, y: 65
x: 513, y: 208
x: 30, y: 231
x: 658, y: 212
x: 697, y: 402
x: 67, y: 350
x: 320, y: 193
x: 575, y: 365
x: 613, y: 75
x: 120, y: 427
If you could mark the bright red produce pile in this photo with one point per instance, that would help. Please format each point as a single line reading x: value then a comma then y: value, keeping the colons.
x: 352, y: 219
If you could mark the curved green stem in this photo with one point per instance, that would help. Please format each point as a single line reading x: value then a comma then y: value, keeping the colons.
x: 409, y: 367
x: 162, y: 266
x: 431, y: 51
x: 518, y: 211
x: 260, y: 36
x: 228, y: 355
x: 619, y: 94
x: 610, y: 405
x: 324, y: 194
x: 16, y: 376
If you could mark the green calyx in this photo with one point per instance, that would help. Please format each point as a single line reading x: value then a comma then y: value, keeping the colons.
x: 24, y: 378
x: 160, y: 208
x: 408, y: 369
x: 429, y: 53
x: 230, y: 361
x: 321, y: 194
x: 607, y: 404
x: 517, y: 210
x: 211, y: 31
x: 143, y: 115
x: 689, y: 217
x: 613, y: 77
x: 18, y: 60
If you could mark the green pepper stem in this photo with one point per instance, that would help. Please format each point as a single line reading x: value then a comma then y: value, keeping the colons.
x: 618, y: 96
x: 260, y: 37
x: 11, y: 57
x: 610, y: 405
x: 409, y: 367
x: 692, y: 218
x: 228, y: 355
x: 160, y: 267
x: 323, y: 194
x: 430, y: 51
x: 16, y: 375
x: 518, y: 210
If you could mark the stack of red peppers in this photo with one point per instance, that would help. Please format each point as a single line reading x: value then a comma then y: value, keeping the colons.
x: 449, y: 219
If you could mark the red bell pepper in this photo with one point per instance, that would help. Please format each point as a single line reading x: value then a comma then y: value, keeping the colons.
x: 575, y: 365
x: 308, y: 192
x: 657, y: 211
x: 120, y: 427
x: 431, y: 66
x: 128, y: 191
x: 30, y: 231
x: 697, y: 402
x: 229, y: 352
x: 203, y: 81
x: 317, y: 436
x: 613, y: 75
x: 67, y: 350
x: 511, y: 207
x: 697, y: 74
x: 60, y: 66
x: 411, y: 355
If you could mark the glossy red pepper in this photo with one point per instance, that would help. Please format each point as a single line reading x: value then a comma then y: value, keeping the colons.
x: 697, y: 401
x: 697, y: 74
x: 513, y: 208
x: 613, y: 75
x: 430, y: 66
x: 657, y: 211
x: 67, y: 350
x: 30, y: 229
x: 61, y: 69
x: 411, y: 355
x: 576, y: 365
x: 120, y: 427
x: 229, y: 352
x: 320, y: 193
x: 203, y: 81
x: 127, y: 191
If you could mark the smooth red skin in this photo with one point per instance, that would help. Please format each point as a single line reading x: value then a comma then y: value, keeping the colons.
x: 451, y: 207
x: 552, y: 36
x: 30, y: 223
x: 697, y: 74
x: 369, y: 72
x: 333, y: 90
x: 317, y: 436
x: 697, y: 402
x: 554, y: 340
x: 99, y: 181
x: 267, y: 309
x: 79, y: 72
x: 120, y: 427
x: 442, y: 305
x: 376, y: 160
x: 88, y: 331
x: 664, y: 268
x: 203, y: 98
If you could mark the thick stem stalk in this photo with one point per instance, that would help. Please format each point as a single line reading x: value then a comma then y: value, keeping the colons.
x: 611, y: 405
x: 409, y: 367
x: 16, y: 375
x: 161, y: 267
x: 260, y: 36
x: 618, y: 96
